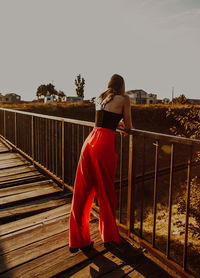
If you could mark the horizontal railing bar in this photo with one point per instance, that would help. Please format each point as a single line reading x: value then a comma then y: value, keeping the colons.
x: 68, y: 120
x: 169, y: 138
x: 155, y: 135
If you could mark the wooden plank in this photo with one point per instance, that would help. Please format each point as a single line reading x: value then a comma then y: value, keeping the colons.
x: 16, y: 190
x: 13, y: 164
x: 40, y: 231
x: 31, y: 234
x: 3, y: 148
x: 55, y: 262
x: 3, y: 151
x: 11, y: 161
x: 19, y: 175
x: 10, y: 155
x: 33, y: 251
x: 21, y: 180
x: 34, y: 206
x: 29, y: 195
x: 16, y: 170
x: 33, y: 220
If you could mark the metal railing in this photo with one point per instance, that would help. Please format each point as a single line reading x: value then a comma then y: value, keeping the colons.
x: 152, y: 170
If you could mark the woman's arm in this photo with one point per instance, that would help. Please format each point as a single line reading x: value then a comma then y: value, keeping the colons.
x: 127, y: 113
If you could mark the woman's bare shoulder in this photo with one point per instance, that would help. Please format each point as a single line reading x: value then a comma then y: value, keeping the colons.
x: 126, y: 100
x: 123, y: 98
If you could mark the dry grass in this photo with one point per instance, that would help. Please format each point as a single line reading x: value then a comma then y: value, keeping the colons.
x: 27, y: 104
x: 34, y: 105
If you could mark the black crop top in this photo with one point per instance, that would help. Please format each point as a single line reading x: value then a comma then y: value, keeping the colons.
x: 107, y: 119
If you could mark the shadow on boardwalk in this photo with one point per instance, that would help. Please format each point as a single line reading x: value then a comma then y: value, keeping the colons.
x: 119, y: 260
x: 3, y: 261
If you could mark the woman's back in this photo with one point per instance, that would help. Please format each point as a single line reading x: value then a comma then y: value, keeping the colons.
x: 116, y: 104
x: 120, y: 104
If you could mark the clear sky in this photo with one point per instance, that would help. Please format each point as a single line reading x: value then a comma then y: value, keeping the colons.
x: 153, y: 44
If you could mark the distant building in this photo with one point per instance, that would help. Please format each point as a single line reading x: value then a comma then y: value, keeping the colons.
x: 166, y: 100
x: 137, y: 96
x: 1, y: 97
x: 141, y: 97
x: 74, y: 99
x: 10, y: 98
x: 48, y: 99
x: 54, y: 98
x: 151, y: 98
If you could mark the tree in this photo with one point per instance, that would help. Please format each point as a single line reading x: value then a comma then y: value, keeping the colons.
x: 60, y: 95
x: 41, y: 91
x: 44, y: 90
x: 180, y: 100
x: 80, y: 83
x: 51, y: 90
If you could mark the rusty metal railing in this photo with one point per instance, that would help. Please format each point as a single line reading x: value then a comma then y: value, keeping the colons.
x: 166, y: 168
x: 52, y: 143
x: 153, y: 169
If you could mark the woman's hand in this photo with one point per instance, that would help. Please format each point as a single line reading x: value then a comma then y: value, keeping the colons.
x: 121, y: 125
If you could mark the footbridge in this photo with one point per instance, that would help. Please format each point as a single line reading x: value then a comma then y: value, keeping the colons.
x: 157, y: 177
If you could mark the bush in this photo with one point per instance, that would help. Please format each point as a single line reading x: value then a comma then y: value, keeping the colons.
x: 187, y: 124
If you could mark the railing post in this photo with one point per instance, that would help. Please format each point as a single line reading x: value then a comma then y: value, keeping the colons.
x: 32, y: 136
x: 170, y: 200
x: 46, y: 143
x: 73, y: 152
x: 56, y: 147
x: 187, y: 208
x: 63, y: 152
x: 15, y: 129
x: 4, y: 124
x: 142, y: 187
x: 155, y: 193
x: 120, y: 174
x: 130, y: 181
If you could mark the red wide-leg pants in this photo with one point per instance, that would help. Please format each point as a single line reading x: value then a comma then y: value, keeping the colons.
x: 95, y: 175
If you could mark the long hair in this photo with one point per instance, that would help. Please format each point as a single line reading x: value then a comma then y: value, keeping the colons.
x: 116, y: 86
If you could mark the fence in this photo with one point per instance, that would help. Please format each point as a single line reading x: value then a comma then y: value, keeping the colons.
x: 156, y: 178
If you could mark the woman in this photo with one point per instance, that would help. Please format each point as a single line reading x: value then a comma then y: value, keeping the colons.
x: 97, y: 168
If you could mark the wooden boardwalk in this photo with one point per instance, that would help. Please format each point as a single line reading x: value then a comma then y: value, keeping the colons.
x: 34, y: 231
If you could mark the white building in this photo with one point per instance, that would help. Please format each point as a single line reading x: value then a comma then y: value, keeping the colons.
x: 48, y: 99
